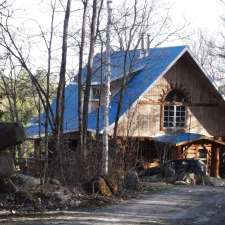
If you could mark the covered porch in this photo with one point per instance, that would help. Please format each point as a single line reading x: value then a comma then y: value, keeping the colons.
x: 195, y: 146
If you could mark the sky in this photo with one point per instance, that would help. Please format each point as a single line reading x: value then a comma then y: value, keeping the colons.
x: 197, y: 14
x: 203, y: 14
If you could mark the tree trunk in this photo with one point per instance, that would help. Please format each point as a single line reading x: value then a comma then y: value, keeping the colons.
x: 80, y: 85
x: 89, y: 77
x: 61, y: 93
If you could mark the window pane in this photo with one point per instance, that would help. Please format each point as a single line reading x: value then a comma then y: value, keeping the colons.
x: 170, y: 124
x: 171, y: 113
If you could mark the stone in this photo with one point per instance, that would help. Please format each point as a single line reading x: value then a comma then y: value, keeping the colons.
x: 24, y: 198
x: 103, y: 187
x: 132, y: 180
x: 11, y: 134
x: 27, y: 180
x: 97, y: 185
x: 7, y: 167
x: 7, y: 186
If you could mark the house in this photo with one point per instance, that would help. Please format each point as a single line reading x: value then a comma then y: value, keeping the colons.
x: 169, y: 103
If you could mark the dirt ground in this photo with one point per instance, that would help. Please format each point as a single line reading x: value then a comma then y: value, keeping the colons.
x: 179, y: 205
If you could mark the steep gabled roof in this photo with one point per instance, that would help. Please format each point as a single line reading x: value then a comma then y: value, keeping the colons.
x: 148, y: 70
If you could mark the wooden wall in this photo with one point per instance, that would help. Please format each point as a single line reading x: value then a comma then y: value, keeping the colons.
x: 206, y: 113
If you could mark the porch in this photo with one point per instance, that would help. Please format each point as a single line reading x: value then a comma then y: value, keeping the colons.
x: 209, y: 150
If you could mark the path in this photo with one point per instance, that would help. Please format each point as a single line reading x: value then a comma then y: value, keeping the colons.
x: 179, y: 205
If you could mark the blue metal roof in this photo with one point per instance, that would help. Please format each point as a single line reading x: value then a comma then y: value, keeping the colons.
x: 147, y: 70
x: 152, y: 67
x: 178, y: 138
x: 70, y: 114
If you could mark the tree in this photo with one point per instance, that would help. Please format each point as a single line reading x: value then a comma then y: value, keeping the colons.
x: 133, y: 25
x: 61, y: 91
x: 92, y: 42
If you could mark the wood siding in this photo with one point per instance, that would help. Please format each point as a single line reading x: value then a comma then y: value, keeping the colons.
x: 205, y: 112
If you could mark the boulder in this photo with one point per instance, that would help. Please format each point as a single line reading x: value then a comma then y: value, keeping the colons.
x: 7, y: 168
x: 103, y: 187
x: 132, y: 180
x: 188, y: 171
x: 97, y: 185
x: 11, y: 134
x: 26, y: 180
x: 7, y: 186
x: 214, y: 181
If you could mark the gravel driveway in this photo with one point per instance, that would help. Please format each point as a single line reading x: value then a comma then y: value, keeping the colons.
x: 177, y: 205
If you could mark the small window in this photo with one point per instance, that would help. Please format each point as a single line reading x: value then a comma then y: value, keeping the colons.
x: 174, y: 111
x: 95, y: 93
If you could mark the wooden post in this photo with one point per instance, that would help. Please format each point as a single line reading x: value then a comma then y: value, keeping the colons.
x: 215, y: 161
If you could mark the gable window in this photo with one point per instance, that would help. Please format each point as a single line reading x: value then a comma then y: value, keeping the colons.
x: 174, y: 112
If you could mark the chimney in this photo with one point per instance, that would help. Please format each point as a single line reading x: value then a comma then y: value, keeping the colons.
x: 148, y: 45
x: 143, y: 50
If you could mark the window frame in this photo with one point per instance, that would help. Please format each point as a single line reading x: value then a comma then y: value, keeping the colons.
x: 176, y: 118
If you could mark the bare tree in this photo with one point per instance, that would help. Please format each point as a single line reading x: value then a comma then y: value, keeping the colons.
x: 89, y: 74
x: 80, y: 85
x: 208, y: 55
x: 61, y: 91
x: 137, y: 22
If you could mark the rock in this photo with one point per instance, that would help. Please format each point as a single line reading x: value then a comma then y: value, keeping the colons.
x: 7, y: 168
x: 11, y: 134
x: 61, y: 196
x: 189, y: 171
x: 54, y: 181
x: 115, y: 181
x: 103, y: 187
x: 27, y: 181
x: 170, y: 174
x: 132, y: 180
x: 97, y: 185
x: 214, y: 181
x: 7, y: 186
x: 23, y: 197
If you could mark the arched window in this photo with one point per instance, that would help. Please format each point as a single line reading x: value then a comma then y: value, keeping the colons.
x: 174, y: 110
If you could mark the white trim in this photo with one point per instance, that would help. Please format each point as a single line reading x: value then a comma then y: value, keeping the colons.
x: 153, y: 83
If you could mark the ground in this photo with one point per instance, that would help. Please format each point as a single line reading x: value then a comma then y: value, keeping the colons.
x: 180, y: 205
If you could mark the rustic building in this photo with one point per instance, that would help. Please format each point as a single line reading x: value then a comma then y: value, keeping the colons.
x: 169, y: 105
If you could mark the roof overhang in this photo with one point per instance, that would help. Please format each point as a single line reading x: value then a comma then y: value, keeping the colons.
x: 178, y: 139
